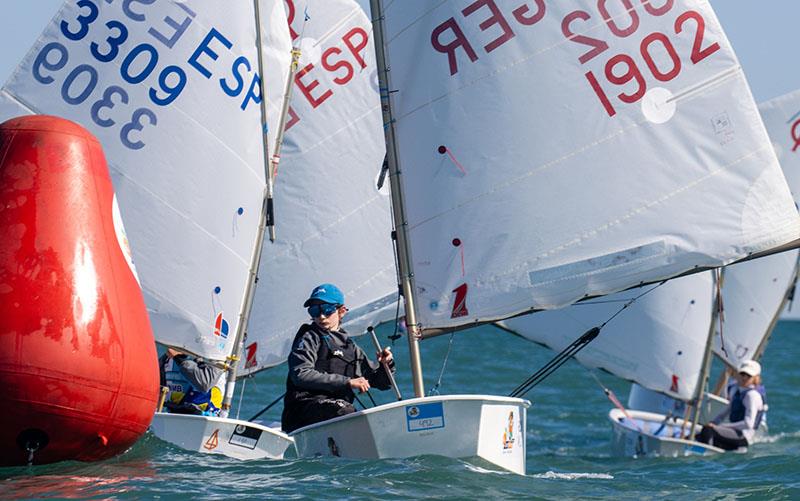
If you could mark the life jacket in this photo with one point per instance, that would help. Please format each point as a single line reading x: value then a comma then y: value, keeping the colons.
x: 331, y: 359
x: 738, y: 409
x: 183, y: 397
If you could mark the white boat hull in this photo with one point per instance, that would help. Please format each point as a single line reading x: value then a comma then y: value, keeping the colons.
x: 642, y: 399
x: 456, y: 426
x: 651, y: 439
x: 215, y: 435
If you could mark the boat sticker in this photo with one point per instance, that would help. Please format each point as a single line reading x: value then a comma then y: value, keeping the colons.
x: 221, y: 326
x: 696, y: 449
x: 508, y: 433
x: 245, y: 436
x: 674, y: 386
x: 213, y: 441
x: 425, y: 416
x: 460, y: 303
x: 250, y: 357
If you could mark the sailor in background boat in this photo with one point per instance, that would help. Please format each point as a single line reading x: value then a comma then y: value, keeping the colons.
x: 745, y: 412
x: 192, y: 384
x: 325, y: 365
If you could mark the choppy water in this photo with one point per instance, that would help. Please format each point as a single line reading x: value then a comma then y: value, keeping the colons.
x: 568, y: 445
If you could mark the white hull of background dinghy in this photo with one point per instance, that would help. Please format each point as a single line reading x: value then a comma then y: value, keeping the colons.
x: 647, y: 437
x: 215, y: 435
x: 456, y: 426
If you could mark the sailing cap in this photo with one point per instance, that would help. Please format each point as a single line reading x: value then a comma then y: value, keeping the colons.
x: 751, y: 368
x: 325, y: 293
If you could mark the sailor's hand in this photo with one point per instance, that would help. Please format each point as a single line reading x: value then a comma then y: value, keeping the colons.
x: 711, y: 425
x: 359, y: 384
x: 385, y: 356
x: 172, y: 352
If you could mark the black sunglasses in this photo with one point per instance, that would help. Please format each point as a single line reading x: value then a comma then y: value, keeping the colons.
x: 326, y: 309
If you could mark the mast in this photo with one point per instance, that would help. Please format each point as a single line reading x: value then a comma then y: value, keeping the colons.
x: 276, y: 155
x: 265, y: 219
x: 404, y: 266
x: 706, y: 367
x: 270, y: 178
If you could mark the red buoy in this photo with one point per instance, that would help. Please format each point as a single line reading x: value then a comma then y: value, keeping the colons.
x: 78, y: 364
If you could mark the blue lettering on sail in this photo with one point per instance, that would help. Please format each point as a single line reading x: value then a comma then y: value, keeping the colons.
x: 62, y: 63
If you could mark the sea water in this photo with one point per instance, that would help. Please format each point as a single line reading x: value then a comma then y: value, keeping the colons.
x: 568, y: 443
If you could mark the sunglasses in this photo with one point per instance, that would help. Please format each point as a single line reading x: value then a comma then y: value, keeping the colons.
x: 324, y: 309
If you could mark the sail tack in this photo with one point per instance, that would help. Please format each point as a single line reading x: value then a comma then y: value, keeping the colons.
x: 554, y: 150
x: 172, y: 91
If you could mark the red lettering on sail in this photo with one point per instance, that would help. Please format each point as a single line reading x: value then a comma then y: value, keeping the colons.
x: 293, y: 119
x: 307, y: 88
x: 661, y: 55
x: 450, y: 48
x: 450, y: 44
x: 496, y: 18
x: 519, y: 13
x: 674, y: 387
x: 795, y: 136
x: 290, y: 12
x: 328, y: 65
x: 356, y: 49
x: 460, y: 303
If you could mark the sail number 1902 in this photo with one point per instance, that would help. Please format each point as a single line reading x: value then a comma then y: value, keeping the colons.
x: 622, y: 69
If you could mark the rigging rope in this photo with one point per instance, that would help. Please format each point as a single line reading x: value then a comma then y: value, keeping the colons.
x: 561, y: 358
x: 268, y: 407
x: 241, y: 397
x: 435, y: 389
x: 721, y: 317
x: 614, y: 400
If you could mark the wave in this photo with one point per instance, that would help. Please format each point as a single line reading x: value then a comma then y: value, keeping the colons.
x: 573, y: 476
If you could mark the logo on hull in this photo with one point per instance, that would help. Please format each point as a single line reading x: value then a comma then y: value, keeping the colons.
x: 213, y: 441
x: 508, y: 433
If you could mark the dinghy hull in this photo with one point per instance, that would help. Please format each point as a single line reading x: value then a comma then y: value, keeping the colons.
x: 215, y: 435
x: 645, y: 436
x: 456, y: 426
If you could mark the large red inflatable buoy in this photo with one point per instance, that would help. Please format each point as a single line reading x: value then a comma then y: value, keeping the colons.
x: 78, y: 367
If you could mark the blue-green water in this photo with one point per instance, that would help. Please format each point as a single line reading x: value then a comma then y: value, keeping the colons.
x: 568, y: 445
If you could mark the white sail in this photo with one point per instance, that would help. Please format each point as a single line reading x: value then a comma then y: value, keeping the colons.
x: 171, y: 91
x: 782, y: 118
x: 657, y: 342
x: 334, y: 225
x: 752, y: 294
x: 533, y: 180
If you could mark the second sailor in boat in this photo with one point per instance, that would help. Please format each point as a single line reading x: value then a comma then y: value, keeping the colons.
x: 745, y: 412
x: 326, y: 367
x: 193, y: 385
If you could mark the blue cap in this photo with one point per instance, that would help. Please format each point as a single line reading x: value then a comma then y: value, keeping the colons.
x: 325, y: 293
